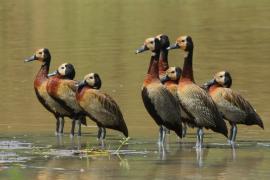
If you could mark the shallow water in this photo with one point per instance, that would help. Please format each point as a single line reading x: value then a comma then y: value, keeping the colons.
x: 101, y: 36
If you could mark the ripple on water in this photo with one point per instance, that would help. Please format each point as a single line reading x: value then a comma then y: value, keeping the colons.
x: 12, y: 157
x: 5, y: 145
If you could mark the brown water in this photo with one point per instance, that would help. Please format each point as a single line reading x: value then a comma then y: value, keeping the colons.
x: 101, y: 36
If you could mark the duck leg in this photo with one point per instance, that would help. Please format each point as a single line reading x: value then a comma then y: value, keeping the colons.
x: 200, y: 134
x: 101, y: 136
x: 197, y: 139
x: 233, y: 133
x: 184, y: 131
x: 99, y: 132
x: 161, y: 135
x: 61, y: 125
x: 167, y: 131
x: 57, y: 125
x: 72, y: 128
x: 79, y: 127
x: 103, y: 133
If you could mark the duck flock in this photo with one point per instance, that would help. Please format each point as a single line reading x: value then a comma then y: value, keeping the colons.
x: 170, y: 95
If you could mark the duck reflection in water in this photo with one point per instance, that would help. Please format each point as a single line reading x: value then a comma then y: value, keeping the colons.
x: 76, y: 145
x: 163, y: 149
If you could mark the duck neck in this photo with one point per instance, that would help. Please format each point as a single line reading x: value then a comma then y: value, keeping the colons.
x: 214, y: 86
x: 153, y: 66
x: 163, y: 64
x: 43, y: 72
x: 80, y: 92
x: 187, y: 74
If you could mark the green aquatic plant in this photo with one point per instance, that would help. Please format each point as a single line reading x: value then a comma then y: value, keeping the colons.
x: 123, y: 142
x: 93, y: 151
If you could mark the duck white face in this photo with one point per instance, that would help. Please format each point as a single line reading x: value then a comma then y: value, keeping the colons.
x: 90, y: 79
x: 183, y: 42
x: 173, y: 73
x: 65, y: 70
x: 151, y: 44
x: 62, y: 69
x: 223, y: 78
x: 41, y: 55
x: 93, y: 80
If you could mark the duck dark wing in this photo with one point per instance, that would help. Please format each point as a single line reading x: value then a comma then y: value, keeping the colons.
x: 67, y: 93
x: 104, y: 110
x: 239, y: 109
x: 163, y: 107
x: 201, y: 106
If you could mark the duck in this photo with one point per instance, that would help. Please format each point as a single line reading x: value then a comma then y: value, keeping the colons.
x: 163, y: 67
x: 171, y: 80
x: 158, y: 101
x: 99, y: 106
x: 233, y: 106
x: 198, y: 105
x: 62, y: 88
x: 43, y: 55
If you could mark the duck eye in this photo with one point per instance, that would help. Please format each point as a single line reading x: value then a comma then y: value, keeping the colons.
x: 40, y: 53
x: 62, y: 67
x: 151, y: 42
x: 173, y: 71
x: 183, y: 40
x: 91, y: 77
x: 220, y: 76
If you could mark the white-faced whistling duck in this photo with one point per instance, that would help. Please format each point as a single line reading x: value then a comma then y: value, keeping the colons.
x: 195, y: 101
x: 62, y: 88
x: 232, y: 105
x: 163, y: 66
x: 158, y: 101
x: 43, y: 55
x: 171, y: 80
x: 99, y: 106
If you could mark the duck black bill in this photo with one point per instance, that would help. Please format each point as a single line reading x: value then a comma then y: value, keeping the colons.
x: 52, y: 74
x: 208, y: 84
x: 81, y: 84
x: 32, y: 58
x: 141, y: 49
x: 164, y: 79
x: 174, y: 46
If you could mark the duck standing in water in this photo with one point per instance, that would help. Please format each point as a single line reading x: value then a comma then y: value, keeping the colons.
x: 99, y: 106
x: 199, y: 107
x: 62, y: 88
x: 163, y: 67
x: 158, y: 101
x: 43, y: 55
x: 171, y: 81
x: 232, y: 105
